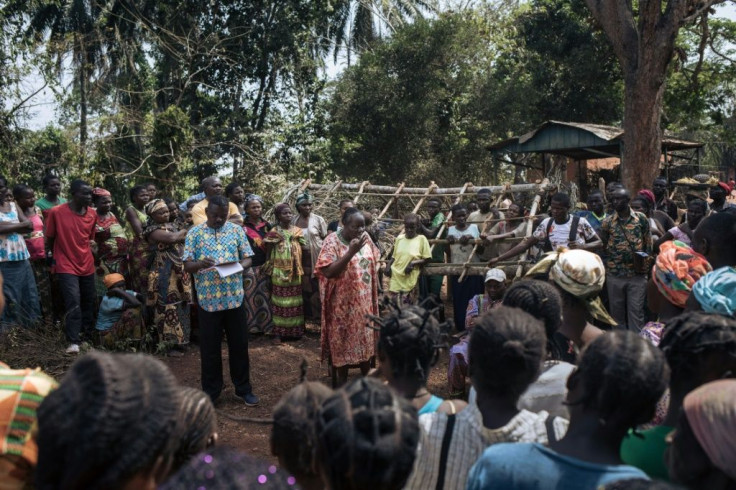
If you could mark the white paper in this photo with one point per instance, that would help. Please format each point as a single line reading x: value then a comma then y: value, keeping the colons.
x: 229, y: 269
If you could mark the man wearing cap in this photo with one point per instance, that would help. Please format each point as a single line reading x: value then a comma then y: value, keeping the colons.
x: 718, y: 194
x: 495, y: 287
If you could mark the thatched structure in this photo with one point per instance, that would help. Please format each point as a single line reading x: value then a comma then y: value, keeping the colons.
x: 390, y: 203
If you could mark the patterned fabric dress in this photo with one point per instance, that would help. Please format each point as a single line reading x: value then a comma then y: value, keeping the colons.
x: 285, y: 268
x: 346, y: 300
x: 112, y: 250
x: 169, y: 289
x: 138, y: 255
x: 35, y: 242
x: 256, y: 283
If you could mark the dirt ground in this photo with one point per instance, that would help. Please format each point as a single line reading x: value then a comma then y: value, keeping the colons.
x: 274, y: 370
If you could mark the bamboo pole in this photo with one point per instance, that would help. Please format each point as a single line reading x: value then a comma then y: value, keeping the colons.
x: 391, y: 201
x: 529, y: 226
x: 360, y: 191
x: 431, y: 188
x: 326, y: 196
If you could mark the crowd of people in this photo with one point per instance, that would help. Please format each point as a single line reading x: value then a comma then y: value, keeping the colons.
x: 610, y: 364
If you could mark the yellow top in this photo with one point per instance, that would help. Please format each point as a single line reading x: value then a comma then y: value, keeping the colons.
x: 199, y: 216
x: 406, y: 250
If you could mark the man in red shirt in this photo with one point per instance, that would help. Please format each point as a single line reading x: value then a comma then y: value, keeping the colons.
x: 70, y: 228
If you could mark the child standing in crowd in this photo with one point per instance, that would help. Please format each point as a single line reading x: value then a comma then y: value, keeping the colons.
x: 284, y: 244
x: 52, y: 188
x: 119, y: 318
x: 410, y: 253
x: 36, y: 245
x: 459, y: 237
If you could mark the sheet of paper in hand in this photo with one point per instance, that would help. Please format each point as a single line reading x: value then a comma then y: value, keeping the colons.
x: 229, y: 269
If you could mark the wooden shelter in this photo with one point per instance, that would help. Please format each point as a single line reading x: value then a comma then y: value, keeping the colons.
x: 389, y: 204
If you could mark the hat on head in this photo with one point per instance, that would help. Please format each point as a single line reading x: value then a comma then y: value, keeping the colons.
x: 725, y: 187
x: 495, y: 275
x: 111, y: 279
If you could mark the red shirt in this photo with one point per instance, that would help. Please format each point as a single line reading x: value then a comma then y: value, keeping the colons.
x: 72, y: 234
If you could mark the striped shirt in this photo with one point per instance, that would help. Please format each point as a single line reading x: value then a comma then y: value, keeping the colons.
x: 469, y: 439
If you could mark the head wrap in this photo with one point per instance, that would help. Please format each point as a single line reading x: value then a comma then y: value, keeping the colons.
x: 280, y: 207
x: 21, y: 393
x: 711, y: 413
x: 697, y: 193
x: 252, y: 197
x: 676, y: 271
x: 155, y: 205
x: 303, y: 197
x: 111, y: 279
x: 580, y: 273
x: 649, y: 195
x: 716, y: 291
x: 725, y: 187
x: 100, y: 192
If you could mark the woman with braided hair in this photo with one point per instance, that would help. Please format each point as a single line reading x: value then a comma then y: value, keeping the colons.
x: 507, y: 348
x: 408, y: 347
x: 294, y: 433
x: 616, y: 387
x: 699, y: 348
x: 368, y: 436
x: 109, y: 425
x: 197, y: 429
x: 169, y: 285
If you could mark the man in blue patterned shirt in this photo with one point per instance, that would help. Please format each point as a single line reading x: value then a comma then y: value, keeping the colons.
x: 210, y: 244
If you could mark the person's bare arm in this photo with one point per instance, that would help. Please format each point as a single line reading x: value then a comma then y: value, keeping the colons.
x: 22, y: 227
x: 135, y: 223
x: 193, y: 266
x: 130, y: 300
x: 167, y: 237
x: 522, y: 247
x: 236, y: 218
x: 665, y: 238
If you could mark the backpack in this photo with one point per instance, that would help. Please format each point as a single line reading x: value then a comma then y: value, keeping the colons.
x: 547, y: 247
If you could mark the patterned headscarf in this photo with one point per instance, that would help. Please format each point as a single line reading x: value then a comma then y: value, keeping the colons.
x: 580, y: 273
x: 21, y: 393
x: 711, y: 413
x: 676, y: 271
x: 100, y: 192
x: 111, y: 279
x: 716, y: 291
x: 303, y: 197
x: 252, y: 197
x: 154, y: 206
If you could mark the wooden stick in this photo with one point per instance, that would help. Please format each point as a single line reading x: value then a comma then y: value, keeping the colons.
x: 360, y: 191
x: 456, y: 269
x: 391, y: 201
x: 529, y: 226
x: 326, y: 196
x: 431, y: 188
x: 478, y: 240
x: 494, y: 189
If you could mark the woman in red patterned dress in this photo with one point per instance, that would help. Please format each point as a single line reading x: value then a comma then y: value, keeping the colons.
x: 347, y: 269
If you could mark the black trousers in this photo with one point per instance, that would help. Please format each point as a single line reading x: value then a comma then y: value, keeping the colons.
x: 234, y: 324
x: 79, y: 296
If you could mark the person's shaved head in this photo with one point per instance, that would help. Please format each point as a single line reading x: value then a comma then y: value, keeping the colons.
x: 715, y: 237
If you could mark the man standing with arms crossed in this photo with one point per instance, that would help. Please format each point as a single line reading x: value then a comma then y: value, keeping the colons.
x: 220, y: 299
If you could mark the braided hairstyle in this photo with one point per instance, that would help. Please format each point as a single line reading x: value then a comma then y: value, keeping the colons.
x: 223, y: 468
x: 368, y: 437
x: 507, y: 348
x: 623, y: 378
x: 197, y: 429
x: 691, y: 338
x: 410, y: 339
x: 112, y: 417
x: 294, y: 434
x: 541, y: 300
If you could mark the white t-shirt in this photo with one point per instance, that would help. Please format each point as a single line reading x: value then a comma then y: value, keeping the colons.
x: 459, y: 253
x: 559, y: 234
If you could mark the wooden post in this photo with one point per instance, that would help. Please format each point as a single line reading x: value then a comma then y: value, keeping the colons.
x: 530, y: 225
x: 360, y: 191
x: 390, y: 201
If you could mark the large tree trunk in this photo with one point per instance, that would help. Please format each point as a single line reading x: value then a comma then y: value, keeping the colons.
x: 642, y: 135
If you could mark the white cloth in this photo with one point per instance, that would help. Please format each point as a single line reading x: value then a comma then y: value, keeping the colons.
x: 469, y: 439
x: 549, y: 391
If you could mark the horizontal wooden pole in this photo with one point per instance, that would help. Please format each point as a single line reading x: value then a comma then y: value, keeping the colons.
x: 370, y: 188
x: 478, y: 241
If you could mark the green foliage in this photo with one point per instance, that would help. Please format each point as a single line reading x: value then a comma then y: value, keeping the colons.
x: 171, y: 142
